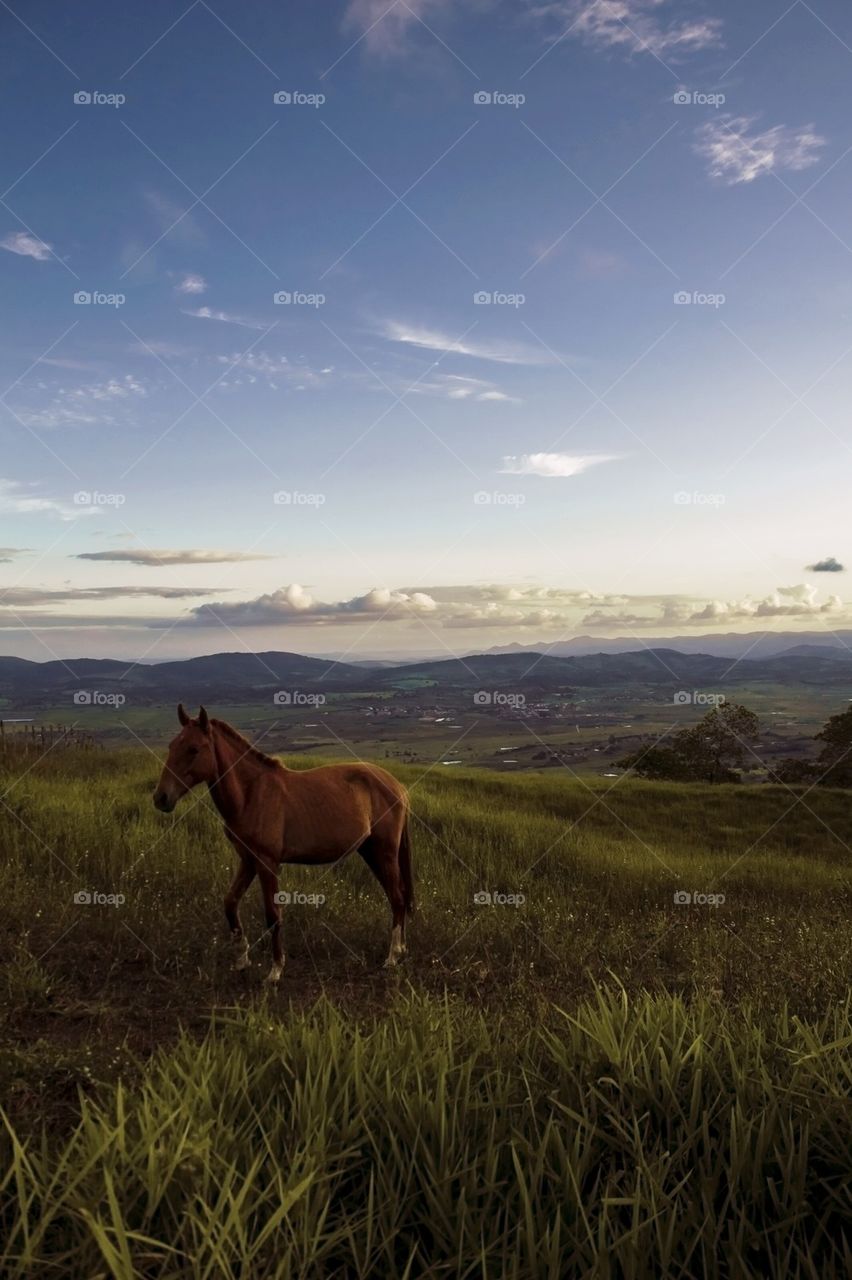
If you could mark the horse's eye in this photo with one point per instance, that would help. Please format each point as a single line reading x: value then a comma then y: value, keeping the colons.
x: 192, y: 751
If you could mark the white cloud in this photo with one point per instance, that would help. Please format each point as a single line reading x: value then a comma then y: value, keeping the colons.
x: 293, y: 604
x: 735, y: 155
x: 634, y: 26
x: 433, y: 340
x: 384, y: 25
x: 192, y: 284
x: 453, y: 386
x: 33, y: 597
x: 174, y: 220
x: 799, y: 601
x: 90, y: 404
x: 27, y: 246
x: 261, y: 365
x: 15, y: 499
x: 553, y: 464
x: 165, y: 557
x: 207, y: 313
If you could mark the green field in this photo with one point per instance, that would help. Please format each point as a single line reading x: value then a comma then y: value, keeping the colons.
x: 585, y: 1077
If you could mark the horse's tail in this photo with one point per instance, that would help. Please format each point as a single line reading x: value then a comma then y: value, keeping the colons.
x: 405, y: 872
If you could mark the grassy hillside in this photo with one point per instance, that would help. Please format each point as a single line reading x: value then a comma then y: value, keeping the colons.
x: 583, y: 1075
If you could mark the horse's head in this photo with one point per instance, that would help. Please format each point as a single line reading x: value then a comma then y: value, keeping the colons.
x: 190, y: 760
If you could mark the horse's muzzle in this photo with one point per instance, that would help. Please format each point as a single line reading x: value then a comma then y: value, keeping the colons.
x: 163, y: 802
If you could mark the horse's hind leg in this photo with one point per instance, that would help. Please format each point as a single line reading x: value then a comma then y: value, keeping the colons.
x: 381, y: 857
x: 239, y: 884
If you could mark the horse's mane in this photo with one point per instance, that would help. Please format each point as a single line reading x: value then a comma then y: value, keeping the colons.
x: 245, y: 747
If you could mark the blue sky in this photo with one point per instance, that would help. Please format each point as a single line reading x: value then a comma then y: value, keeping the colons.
x: 562, y: 342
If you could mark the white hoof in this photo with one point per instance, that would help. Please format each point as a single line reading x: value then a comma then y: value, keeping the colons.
x: 274, y: 975
x: 397, y: 949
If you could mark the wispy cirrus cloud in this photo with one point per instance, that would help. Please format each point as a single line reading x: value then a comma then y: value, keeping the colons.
x: 166, y: 557
x: 633, y: 26
x: 385, y: 25
x: 30, y: 597
x: 434, y: 340
x: 18, y: 499
x: 26, y: 246
x: 553, y: 465
x: 89, y: 404
x: 735, y: 152
x: 208, y: 313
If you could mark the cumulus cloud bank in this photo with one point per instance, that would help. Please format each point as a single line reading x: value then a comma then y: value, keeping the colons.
x: 511, y: 607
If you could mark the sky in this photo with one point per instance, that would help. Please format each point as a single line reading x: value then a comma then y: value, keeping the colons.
x: 394, y: 328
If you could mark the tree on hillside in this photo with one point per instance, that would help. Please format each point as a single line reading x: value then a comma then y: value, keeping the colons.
x: 833, y: 765
x: 714, y: 750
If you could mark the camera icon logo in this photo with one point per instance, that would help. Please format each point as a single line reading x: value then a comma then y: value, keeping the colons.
x: 682, y: 698
x: 82, y: 98
x: 482, y: 898
x: 682, y: 298
x: 683, y: 97
x: 282, y: 98
x: 482, y: 698
x: 282, y: 298
x: 482, y: 298
x: 482, y: 98
x: 82, y: 698
x: 82, y: 298
x: 83, y: 898
x: 682, y: 898
x: 282, y: 698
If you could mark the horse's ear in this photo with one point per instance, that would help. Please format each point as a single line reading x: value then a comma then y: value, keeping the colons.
x: 182, y: 716
x: 203, y: 719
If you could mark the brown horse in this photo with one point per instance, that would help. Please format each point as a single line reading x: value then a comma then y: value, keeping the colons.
x: 275, y: 815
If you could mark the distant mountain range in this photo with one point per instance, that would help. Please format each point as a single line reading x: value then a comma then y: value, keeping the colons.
x: 732, y: 644
x: 246, y: 677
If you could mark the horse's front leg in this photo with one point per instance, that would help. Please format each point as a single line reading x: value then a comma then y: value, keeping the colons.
x: 269, y: 886
x: 241, y: 881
